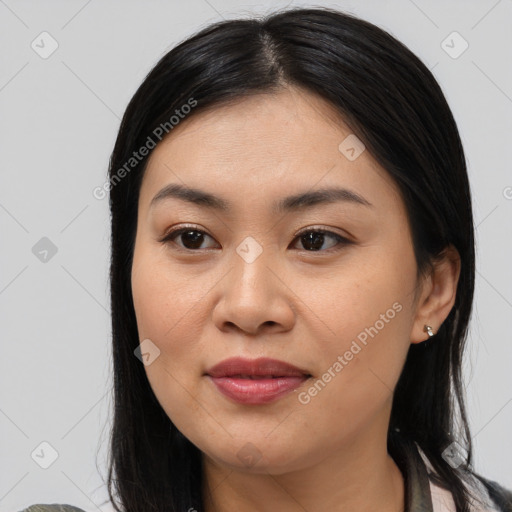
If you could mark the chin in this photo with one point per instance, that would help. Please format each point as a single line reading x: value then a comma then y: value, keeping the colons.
x: 258, y: 457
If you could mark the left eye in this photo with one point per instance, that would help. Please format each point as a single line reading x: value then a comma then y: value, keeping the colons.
x: 315, y: 239
x: 312, y: 239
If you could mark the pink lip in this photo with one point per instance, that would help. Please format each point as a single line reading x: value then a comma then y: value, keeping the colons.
x: 276, y: 378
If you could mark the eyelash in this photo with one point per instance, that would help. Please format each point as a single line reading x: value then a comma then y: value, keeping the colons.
x: 342, y: 241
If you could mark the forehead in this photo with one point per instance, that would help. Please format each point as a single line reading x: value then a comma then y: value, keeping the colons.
x: 264, y: 144
x: 290, y: 114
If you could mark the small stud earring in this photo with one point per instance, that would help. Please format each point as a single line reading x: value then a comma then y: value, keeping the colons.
x: 428, y: 330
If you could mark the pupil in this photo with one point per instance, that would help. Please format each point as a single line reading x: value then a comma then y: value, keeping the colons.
x: 315, y: 238
x: 193, y: 239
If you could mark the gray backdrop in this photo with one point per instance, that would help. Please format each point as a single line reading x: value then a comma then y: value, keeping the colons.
x: 68, y: 70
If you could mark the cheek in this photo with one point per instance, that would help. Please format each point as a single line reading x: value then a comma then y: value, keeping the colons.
x: 166, y: 309
x: 367, y: 316
x: 164, y: 306
x: 359, y: 373
x: 371, y: 290
x: 164, y: 296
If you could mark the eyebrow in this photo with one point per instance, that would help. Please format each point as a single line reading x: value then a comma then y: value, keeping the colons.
x: 295, y: 202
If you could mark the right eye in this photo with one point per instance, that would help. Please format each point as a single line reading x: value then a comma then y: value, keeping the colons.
x: 191, y: 238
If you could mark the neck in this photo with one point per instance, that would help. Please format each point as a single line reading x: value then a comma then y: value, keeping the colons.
x: 360, y: 475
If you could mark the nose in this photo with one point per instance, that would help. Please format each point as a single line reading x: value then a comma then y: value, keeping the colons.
x: 254, y: 298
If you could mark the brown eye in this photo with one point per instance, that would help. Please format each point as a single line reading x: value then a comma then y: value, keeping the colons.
x: 314, y: 239
x: 191, y: 238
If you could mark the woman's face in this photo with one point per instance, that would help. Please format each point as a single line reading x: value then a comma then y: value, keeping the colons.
x: 252, y: 281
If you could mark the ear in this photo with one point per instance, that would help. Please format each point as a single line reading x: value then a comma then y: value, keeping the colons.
x: 437, y: 296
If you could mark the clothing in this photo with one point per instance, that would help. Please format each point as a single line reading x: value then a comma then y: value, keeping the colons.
x: 421, y: 493
x: 52, y: 508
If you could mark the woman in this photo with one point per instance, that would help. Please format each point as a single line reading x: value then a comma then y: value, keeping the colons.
x: 292, y: 277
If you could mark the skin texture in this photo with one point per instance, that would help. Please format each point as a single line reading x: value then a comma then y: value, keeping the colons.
x: 202, y: 305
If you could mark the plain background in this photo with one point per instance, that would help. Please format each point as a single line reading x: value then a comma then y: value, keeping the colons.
x: 58, y: 123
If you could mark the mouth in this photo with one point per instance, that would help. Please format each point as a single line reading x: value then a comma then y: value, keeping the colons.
x: 262, y: 367
x: 259, y: 377
x: 257, y: 381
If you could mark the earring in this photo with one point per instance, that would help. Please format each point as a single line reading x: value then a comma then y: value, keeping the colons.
x: 428, y: 330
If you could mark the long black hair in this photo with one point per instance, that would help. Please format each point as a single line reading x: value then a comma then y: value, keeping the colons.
x: 392, y: 102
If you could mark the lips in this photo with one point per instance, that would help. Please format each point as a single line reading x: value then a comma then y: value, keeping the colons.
x: 256, y: 369
x: 256, y: 381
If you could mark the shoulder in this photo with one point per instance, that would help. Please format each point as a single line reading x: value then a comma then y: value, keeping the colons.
x: 501, y: 496
x: 52, y: 508
x: 487, y: 495
x: 490, y: 497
